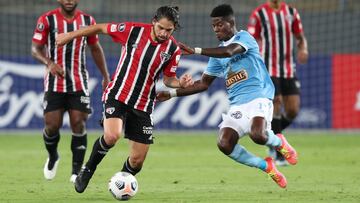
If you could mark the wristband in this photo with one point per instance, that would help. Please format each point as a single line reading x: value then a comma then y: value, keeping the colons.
x: 197, y: 50
x: 173, y: 93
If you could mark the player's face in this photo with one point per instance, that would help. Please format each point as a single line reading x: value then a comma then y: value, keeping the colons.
x: 222, y: 28
x: 68, y: 5
x: 162, y: 29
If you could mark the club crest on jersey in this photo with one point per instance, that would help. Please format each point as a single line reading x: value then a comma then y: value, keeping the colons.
x: 121, y: 27
x: 40, y: 26
x: 110, y: 110
x: 164, y: 57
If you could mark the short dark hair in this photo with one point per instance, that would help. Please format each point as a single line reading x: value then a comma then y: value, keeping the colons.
x: 169, y: 12
x: 222, y: 10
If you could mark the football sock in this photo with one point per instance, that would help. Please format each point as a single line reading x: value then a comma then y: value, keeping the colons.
x: 285, y: 122
x: 98, y: 152
x: 51, y: 143
x: 276, y: 125
x: 241, y: 155
x: 273, y: 140
x: 127, y: 168
x: 78, y: 148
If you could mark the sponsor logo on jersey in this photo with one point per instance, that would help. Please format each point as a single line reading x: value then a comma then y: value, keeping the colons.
x: 237, y: 77
x: 236, y: 114
x: 85, y: 100
x: 148, y: 130
x: 110, y: 110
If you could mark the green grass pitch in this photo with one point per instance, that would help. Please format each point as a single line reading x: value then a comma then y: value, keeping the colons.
x: 187, y: 167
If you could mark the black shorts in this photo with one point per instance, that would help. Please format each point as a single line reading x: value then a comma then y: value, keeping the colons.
x: 74, y: 100
x: 285, y: 86
x: 138, y: 124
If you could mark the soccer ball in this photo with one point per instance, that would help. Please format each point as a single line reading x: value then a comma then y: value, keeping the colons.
x: 123, y: 186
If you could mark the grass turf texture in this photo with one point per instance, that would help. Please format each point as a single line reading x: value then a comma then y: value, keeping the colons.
x: 187, y: 167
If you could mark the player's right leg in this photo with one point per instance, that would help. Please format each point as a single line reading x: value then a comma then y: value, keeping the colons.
x: 54, y: 108
x: 51, y: 136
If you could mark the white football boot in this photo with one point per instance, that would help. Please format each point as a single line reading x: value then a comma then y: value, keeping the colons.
x: 50, y: 174
x: 73, y: 178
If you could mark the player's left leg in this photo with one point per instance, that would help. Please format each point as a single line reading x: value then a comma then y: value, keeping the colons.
x: 78, y: 141
x: 291, y: 108
x: 138, y: 129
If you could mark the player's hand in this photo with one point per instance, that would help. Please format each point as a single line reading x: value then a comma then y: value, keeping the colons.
x: 163, y: 96
x: 186, y: 81
x: 55, y: 69
x: 105, y: 83
x: 302, y: 56
x: 185, y: 49
x: 63, y: 39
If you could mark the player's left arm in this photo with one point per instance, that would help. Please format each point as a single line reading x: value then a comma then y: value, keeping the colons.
x: 218, y: 52
x: 99, y: 59
x: 302, y: 54
x: 301, y: 42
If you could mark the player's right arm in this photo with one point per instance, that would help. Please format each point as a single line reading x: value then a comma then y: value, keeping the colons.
x: 38, y: 49
x: 63, y: 39
x: 199, y: 86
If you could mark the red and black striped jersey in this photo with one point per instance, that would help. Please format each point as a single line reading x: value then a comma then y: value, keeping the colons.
x: 140, y: 64
x: 275, y: 30
x: 71, y: 57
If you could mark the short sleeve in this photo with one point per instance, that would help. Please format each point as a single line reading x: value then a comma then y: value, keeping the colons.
x: 254, y: 25
x: 94, y: 38
x: 245, y: 40
x: 297, y: 27
x: 214, y: 68
x: 41, y: 31
x: 171, y: 67
x: 119, y: 32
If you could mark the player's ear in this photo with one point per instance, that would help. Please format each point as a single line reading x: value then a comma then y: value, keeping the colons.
x: 153, y: 21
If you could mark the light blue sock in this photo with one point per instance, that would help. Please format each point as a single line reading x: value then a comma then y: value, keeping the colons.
x: 273, y: 140
x: 241, y: 155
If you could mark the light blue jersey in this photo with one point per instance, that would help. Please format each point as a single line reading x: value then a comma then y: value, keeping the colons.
x: 245, y: 74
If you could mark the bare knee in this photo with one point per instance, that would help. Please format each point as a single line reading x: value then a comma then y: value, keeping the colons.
x: 257, y: 131
x: 258, y: 137
x: 228, y: 138
x: 52, y: 128
x: 111, y: 137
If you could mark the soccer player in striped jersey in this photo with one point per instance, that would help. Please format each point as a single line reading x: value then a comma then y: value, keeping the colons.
x: 250, y: 93
x: 66, y: 80
x: 274, y: 25
x: 147, y: 51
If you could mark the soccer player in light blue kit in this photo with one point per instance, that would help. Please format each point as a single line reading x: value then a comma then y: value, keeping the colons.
x: 250, y: 92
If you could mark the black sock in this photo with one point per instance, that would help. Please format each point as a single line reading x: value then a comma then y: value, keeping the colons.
x: 98, y: 152
x: 285, y: 122
x: 78, y: 148
x: 127, y: 168
x: 51, y: 143
x: 276, y: 125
